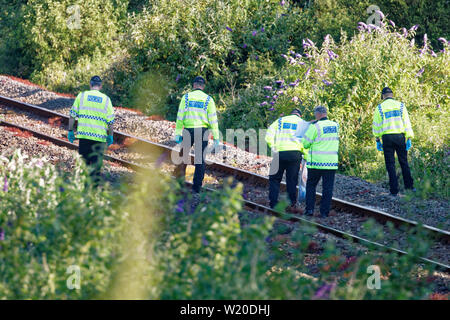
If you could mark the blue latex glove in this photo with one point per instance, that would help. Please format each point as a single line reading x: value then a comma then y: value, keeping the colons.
x: 178, y: 139
x: 408, y: 144
x: 110, y: 140
x: 379, y: 146
x: 71, y: 137
x: 216, y: 143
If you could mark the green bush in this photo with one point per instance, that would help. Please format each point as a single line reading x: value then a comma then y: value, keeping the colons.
x: 348, y: 78
x: 50, y: 221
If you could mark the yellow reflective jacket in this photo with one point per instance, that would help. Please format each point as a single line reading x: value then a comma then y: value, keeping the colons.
x: 94, y: 111
x: 197, y: 110
x: 391, y: 116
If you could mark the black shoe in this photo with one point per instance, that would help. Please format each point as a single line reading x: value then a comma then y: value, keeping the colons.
x: 309, y: 213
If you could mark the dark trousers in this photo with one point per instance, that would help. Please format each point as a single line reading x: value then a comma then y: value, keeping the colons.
x: 92, y: 153
x: 314, y: 176
x: 288, y: 161
x: 196, y: 137
x: 395, y: 143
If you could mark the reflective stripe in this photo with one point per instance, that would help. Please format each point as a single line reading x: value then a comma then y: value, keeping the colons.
x: 324, y: 152
x: 213, y: 122
x: 327, y: 139
x: 88, y: 125
x: 191, y: 116
x: 212, y: 115
x: 389, y: 128
x: 318, y: 129
x: 90, y: 134
x: 288, y: 139
x: 307, y: 139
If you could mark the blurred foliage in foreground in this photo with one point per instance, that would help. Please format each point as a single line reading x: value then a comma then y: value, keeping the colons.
x: 146, y: 240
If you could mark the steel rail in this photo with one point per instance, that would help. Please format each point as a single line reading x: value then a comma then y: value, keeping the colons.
x: 247, y: 204
x: 243, y: 175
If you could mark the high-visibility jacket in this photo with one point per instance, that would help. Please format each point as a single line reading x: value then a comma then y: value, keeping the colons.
x: 197, y: 110
x: 391, y: 116
x: 322, y: 139
x: 285, y: 133
x: 94, y: 112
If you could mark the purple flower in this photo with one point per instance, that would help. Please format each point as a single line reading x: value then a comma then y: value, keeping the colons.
x: 295, y: 99
x: 425, y: 39
x: 284, y: 56
x: 267, y: 88
x: 275, y: 97
x: 271, y: 109
x: 262, y: 29
x: 308, y: 55
x: 279, y: 82
x: 272, y: 103
x: 332, y: 55
x: 305, y: 44
x: 293, y: 84
x: 418, y: 74
x: 61, y: 189
x: 317, y: 70
x: 256, y: 57
x: 414, y: 28
x: 254, y: 33
x: 244, y: 45
x: 263, y: 103
x: 280, y: 92
x: 324, y: 291
x: 5, y: 185
x: 443, y: 40
x: 267, y: 97
x: 392, y: 23
x: 405, y: 32
x: 232, y: 51
x: 362, y: 26
x: 229, y: 29
x: 180, y: 206
x: 433, y: 54
x: 204, y: 241
x: 177, y: 78
x: 282, y: 3
x: 327, y: 83
x: 307, y: 73
x: 2, y: 234
x: 298, y: 55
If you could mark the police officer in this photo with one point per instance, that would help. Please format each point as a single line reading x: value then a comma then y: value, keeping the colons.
x: 391, y: 123
x: 283, y: 136
x: 95, y: 114
x: 322, y: 140
x: 196, y: 115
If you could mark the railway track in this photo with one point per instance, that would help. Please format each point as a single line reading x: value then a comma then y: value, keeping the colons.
x: 249, y: 205
x: 164, y: 152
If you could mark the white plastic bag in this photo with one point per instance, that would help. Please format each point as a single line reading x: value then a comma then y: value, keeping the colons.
x: 302, y: 177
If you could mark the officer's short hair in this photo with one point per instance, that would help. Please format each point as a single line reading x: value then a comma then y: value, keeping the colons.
x: 320, y: 109
x: 95, y: 81
x: 199, y: 80
x: 297, y: 112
